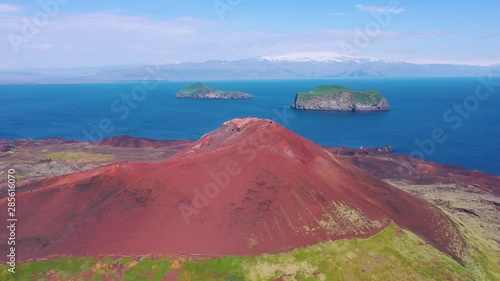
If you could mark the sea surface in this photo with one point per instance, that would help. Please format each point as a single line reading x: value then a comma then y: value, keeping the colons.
x: 422, y: 109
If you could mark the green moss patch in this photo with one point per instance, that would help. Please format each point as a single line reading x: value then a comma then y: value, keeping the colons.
x: 367, y: 97
x: 80, y: 157
x: 393, y: 254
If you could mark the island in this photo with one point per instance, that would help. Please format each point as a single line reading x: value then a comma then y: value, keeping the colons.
x: 201, y: 91
x: 339, y: 98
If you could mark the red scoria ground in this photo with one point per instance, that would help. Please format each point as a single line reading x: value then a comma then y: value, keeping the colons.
x: 249, y: 187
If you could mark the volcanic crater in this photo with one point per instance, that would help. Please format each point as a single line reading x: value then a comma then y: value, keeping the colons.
x: 249, y: 187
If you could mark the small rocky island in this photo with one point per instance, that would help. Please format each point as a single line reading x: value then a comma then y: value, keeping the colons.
x: 201, y: 91
x: 339, y: 98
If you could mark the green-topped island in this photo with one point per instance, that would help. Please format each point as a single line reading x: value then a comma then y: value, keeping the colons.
x: 201, y: 91
x: 339, y: 98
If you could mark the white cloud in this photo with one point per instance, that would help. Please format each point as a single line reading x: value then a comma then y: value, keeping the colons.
x: 116, y: 23
x: 98, y: 39
x: 41, y: 47
x: 113, y: 39
x: 379, y: 9
x: 383, y: 34
x: 109, y: 39
x: 408, y: 35
x: 308, y: 56
x: 9, y: 9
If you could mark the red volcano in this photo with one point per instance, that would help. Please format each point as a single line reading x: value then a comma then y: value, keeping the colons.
x: 249, y: 187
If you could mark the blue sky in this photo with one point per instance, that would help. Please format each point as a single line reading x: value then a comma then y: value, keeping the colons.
x: 118, y: 32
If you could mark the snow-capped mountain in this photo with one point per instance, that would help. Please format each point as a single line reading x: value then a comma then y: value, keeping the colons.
x: 323, y: 57
x: 288, y: 66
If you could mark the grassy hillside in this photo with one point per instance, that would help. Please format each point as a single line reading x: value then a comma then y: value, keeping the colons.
x: 367, y: 97
x: 393, y: 254
x: 200, y: 88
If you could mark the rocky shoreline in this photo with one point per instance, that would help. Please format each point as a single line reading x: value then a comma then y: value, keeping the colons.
x: 201, y: 91
x: 339, y: 98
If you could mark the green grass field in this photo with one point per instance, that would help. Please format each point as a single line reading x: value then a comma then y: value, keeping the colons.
x: 80, y: 157
x: 393, y: 254
x: 367, y: 97
x: 200, y: 88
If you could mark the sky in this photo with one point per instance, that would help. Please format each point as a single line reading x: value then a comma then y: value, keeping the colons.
x: 89, y: 33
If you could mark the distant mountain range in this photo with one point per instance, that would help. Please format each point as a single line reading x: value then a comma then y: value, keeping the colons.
x: 300, y: 66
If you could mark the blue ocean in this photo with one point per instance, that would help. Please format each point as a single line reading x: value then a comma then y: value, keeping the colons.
x: 446, y: 120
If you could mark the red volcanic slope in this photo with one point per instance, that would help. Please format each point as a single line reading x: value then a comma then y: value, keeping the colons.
x: 249, y: 187
x: 127, y: 141
x: 413, y: 170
